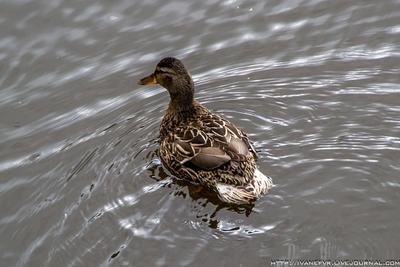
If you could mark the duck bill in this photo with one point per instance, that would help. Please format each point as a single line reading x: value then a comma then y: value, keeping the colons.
x: 151, y: 79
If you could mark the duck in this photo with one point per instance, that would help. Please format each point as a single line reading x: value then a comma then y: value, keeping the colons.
x: 203, y: 147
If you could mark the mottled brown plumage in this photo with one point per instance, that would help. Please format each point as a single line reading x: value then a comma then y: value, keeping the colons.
x: 200, y: 146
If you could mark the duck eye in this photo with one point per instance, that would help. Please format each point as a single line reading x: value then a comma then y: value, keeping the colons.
x: 164, y: 71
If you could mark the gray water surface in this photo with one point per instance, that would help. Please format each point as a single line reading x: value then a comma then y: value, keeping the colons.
x: 316, y: 85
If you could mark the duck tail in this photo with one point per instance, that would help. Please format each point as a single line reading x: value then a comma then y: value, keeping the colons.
x: 245, y: 194
x: 261, y: 182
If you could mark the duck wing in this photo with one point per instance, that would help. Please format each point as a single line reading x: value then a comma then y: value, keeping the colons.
x: 209, y: 144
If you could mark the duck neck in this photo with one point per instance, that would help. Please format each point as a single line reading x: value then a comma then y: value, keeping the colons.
x: 182, y: 100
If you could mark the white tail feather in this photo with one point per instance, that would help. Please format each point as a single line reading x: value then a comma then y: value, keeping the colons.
x: 242, y: 195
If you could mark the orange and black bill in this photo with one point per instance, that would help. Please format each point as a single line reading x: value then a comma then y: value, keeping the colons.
x: 151, y: 79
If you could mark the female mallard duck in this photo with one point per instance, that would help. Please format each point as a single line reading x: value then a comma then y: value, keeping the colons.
x: 200, y: 146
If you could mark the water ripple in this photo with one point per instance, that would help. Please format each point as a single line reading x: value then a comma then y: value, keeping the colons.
x: 314, y: 84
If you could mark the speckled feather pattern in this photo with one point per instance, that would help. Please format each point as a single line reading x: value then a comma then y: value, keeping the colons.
x: 202, y: 147
x: 183, y: 136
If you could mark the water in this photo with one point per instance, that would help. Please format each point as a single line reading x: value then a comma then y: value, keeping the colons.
x: 314, y: 83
